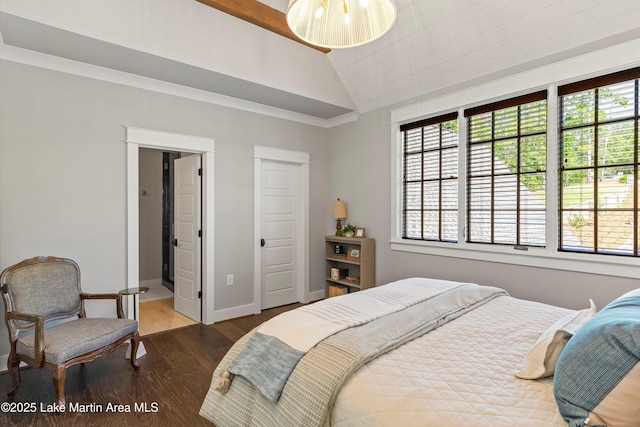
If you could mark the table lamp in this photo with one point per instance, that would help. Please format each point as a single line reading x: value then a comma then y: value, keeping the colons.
x: 339, y: 212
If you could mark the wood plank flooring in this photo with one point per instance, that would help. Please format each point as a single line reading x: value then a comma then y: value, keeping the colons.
x: 158, y: 316
x: 172, y: 381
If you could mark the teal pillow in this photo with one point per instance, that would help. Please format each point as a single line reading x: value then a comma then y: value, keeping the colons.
x: 597, y: 378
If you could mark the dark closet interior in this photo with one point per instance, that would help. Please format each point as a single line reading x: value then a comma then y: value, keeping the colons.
x: 167, y: 218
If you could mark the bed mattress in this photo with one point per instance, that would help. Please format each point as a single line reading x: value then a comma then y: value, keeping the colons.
x: 461, y: 374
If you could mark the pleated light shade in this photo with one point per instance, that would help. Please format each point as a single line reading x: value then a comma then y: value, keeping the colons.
x: 340, y: 23
x: 339, y: 209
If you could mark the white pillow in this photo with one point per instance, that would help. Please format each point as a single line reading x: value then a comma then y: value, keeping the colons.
x: 542, y: 358
x: 633, y: 293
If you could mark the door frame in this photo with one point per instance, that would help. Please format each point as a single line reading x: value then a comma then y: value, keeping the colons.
x: 300, y: 158
x: 148, y: 138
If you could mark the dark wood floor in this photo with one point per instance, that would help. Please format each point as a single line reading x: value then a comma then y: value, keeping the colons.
x: 173, y: 378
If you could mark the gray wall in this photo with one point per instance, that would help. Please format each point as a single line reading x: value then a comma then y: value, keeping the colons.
x: 63, y: 188
x: 63, y: 176
x: 360, y: 175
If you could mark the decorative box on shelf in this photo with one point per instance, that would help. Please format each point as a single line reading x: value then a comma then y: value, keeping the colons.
x: 337, y: 290
x: 339, y: 273
x: 353, y: 279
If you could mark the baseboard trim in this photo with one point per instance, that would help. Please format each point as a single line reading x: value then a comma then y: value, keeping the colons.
x: 249, y: 309
x: 316, y: 295
x: 234, y: 312
x: 151, y: 282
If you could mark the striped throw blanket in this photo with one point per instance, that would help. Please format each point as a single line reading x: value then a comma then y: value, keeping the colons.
x: 274, y: 350
x: 312, y: 386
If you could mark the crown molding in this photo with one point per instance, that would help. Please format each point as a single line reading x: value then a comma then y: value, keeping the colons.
x: 54, y: 63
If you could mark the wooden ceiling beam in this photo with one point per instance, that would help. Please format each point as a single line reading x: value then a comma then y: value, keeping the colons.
x: 259, y: 14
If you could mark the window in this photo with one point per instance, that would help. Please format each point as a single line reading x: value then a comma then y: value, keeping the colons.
x: 548, y: 179
x: 506, y: 171
x: 598, y: 151
x: 430, y: 179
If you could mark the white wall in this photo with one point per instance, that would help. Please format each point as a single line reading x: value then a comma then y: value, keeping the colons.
x: 63, y: 183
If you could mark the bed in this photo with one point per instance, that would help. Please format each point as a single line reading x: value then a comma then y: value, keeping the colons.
x: 455, y: 354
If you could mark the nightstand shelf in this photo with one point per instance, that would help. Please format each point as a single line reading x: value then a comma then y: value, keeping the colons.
x: 349, y: 257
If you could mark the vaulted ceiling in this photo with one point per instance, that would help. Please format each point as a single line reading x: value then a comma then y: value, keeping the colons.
x: 435, y: 47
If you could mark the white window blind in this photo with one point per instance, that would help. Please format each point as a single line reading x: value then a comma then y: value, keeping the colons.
x: 598, y: 189
x: 430, y: 179
x: 506, y: 171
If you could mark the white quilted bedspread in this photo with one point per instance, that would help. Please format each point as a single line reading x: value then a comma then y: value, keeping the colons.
x: 461, y: 374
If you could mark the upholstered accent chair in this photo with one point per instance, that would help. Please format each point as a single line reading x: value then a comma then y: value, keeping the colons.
x: 42, y: 289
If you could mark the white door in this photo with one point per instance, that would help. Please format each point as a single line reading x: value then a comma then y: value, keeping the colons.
x: 187, y: 226
x: 280, y: 217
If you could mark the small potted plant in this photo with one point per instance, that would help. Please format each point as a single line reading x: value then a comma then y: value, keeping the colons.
x: 348, y: 230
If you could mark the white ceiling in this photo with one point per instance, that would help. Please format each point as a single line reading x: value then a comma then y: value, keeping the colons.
x: 443, y: 44
x: 280, y: 5
x: 435, y: 46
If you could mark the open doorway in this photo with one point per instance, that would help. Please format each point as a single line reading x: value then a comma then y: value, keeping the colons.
x: 156, y: 242
x: 137, y: 138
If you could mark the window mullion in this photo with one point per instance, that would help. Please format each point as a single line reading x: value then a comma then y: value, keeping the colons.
x: 462, y: 177
x: 493, y: 175
x: 422, y: 211
x: 518, y: 173
x: 467, y: 179
x: 403, y: 176
x: 440, y: 225
x: 596, y: 143
x: 553, y: 191
x: 636, y: 171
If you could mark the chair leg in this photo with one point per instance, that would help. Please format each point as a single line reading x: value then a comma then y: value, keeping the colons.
x: 135, y: 341
x: 14, y: 367
x: 59, y: 374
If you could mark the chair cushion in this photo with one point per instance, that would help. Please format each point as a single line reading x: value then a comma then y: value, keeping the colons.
x: 68, y: 340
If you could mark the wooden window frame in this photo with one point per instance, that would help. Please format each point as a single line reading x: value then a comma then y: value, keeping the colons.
x: 518, y: 137
x: 422, y: 124
x: 596, y: 84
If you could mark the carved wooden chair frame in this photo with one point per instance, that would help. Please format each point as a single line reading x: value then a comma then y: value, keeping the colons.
x: 16, y: 323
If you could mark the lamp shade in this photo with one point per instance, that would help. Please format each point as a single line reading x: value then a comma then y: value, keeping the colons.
x: 340, y: 23
x: 339, y: 209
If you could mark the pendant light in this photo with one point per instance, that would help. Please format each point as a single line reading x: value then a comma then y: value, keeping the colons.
x: 340, y: 23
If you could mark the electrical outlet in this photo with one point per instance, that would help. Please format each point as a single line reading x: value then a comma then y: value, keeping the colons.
x: 229, y: 279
